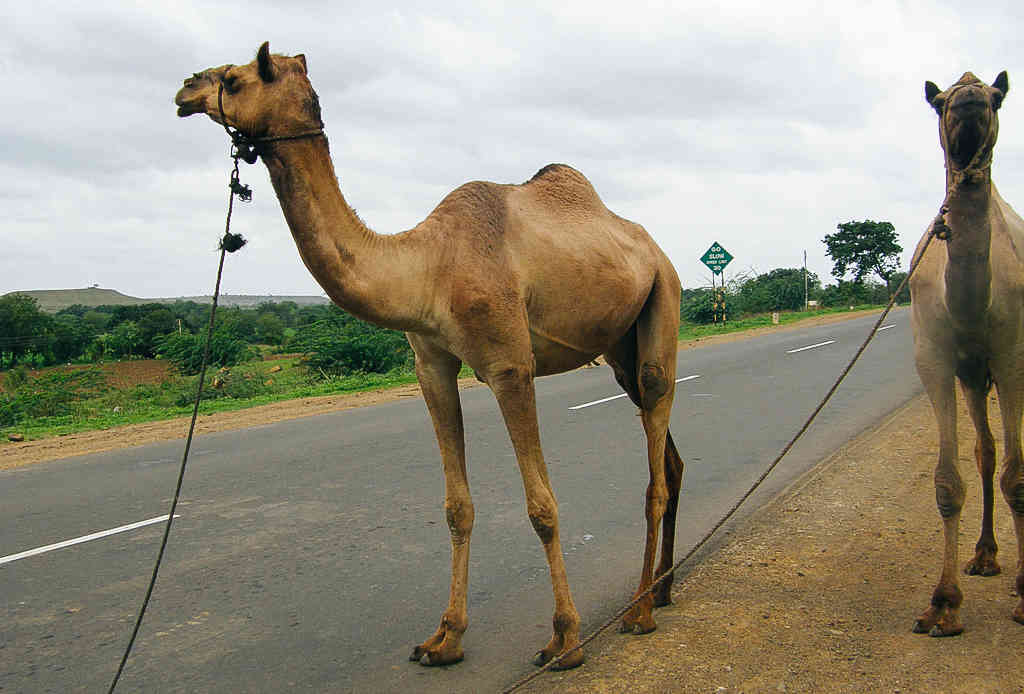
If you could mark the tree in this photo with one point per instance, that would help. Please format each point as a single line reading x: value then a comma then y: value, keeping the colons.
x: 864, y: 248
x: 153, y: 324
x: 24, y: 328
x: 125, y: 340
x: 269, y: 329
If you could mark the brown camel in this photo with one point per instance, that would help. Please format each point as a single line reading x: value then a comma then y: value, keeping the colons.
x: 517, y: 281
x: 968, y: 319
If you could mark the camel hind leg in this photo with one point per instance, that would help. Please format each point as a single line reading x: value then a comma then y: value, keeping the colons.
x: 1011, y: 405
x: 674, y: 480
x: 645, y: 365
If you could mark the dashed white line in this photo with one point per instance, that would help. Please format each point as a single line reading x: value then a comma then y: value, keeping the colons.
x: 85, y: 538
x: 802, y: 349
x: 886, y: 327
x: 622, y: 395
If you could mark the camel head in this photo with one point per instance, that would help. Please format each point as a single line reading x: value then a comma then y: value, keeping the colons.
x: 271, y: 96
x: 968, y: 122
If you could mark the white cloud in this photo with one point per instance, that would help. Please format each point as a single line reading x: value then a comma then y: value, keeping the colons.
x: 761, y: 126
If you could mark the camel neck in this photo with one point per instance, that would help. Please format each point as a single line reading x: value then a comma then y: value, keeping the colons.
x: 354, y: 265
x: 969, y: 271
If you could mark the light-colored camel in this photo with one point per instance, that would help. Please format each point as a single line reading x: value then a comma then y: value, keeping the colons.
x: 516, y: 281
x: 968, y: 320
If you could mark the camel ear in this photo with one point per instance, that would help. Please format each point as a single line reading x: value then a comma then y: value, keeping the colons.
x: 1002, y: 83
x: 301, y: 57
x: 931, y: 91
x: 266, y: 65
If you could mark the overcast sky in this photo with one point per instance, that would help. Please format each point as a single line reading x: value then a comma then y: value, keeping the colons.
x: 760, y: 125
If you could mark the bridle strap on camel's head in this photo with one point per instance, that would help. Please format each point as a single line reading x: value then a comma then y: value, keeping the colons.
x: 978, y: 169
x: 247, y: 148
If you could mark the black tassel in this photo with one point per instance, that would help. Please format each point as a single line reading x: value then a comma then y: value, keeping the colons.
x: 232, y: 242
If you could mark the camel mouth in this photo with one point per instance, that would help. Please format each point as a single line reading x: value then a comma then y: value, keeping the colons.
x: 188, y: 106
x: 965, y: 141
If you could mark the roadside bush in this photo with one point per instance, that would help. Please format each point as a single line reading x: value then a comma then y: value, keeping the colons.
x: 698, y: 306
x: 185, y: 351
x: 341, y: 344
x: 50, y: 395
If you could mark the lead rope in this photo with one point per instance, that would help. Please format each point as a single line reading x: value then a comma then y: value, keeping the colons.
x: 735, y: 507
x: 228, y: 244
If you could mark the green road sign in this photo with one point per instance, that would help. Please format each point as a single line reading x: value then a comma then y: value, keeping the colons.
x: 716, y: 258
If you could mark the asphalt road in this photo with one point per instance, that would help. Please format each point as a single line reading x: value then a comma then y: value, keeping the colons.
x: 312, y: 554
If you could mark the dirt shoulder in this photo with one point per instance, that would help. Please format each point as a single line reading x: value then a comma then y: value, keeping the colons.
x: 818, y: 592
x: 14, y: 455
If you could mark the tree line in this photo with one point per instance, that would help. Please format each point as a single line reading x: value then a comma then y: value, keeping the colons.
x: 336, y: 342
x: 34, y: 338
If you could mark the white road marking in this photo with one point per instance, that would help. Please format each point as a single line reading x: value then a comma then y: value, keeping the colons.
x: 85, y: 538
x: 886, y: 327
x: 622, y: 395
x: 801, y: 349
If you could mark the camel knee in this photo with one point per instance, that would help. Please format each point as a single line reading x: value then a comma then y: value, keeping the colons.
x: 460, y: 516
x: 657, y: 501
x: 1012, y: 484
x: 544, y: 519
x: 949, y: 496
x: 514, y: 376
x: 653, y: 384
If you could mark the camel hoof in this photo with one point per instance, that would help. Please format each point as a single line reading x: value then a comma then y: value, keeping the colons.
x: 1018, y: 615
x: 429, y: 659
x: 982, y: 567
x: 574, y: 659
x: 939, y: 631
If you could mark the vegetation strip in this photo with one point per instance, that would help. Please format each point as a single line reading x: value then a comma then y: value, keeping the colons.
x: 330, y: 353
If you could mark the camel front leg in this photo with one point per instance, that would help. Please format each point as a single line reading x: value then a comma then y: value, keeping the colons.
x: 513, y: 388
x: 437, y: 372
x: 1011, y: 402
x: 984, y: 561
x: 942, y: 618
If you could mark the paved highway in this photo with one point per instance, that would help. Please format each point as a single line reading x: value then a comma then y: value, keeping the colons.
x: 312, y: 555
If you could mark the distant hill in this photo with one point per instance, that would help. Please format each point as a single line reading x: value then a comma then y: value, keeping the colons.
x: 53, y: 300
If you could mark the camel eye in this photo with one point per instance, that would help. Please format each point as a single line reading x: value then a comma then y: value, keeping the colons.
x: 230, y: 84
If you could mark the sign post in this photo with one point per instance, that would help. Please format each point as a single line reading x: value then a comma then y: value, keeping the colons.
x: 716, y: 258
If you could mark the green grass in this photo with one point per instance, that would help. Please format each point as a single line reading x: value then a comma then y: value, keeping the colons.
x: 692, y: 331
x: 252, y: 384
x: 245, y: 387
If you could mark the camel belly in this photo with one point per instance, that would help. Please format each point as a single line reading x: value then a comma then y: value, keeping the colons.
x: 553, y: 358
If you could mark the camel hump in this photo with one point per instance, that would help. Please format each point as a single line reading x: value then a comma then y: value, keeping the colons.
x: 564, y: 186
x: 559, y: 173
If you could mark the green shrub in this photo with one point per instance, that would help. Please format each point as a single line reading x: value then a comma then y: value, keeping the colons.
x: 185, y: 351
x: 341, y: 344
x: 50, y: 395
